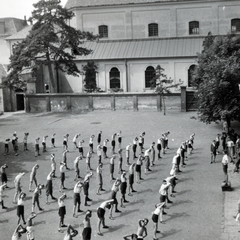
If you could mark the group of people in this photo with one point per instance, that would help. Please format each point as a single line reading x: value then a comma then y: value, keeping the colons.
x: 124, y: 183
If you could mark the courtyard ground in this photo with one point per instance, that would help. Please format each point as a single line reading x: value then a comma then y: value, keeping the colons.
x: 197, y: 211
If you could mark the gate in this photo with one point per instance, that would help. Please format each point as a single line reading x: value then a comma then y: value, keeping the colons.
x: 191, y: 101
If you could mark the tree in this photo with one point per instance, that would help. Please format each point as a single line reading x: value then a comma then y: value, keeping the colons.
x: 162, y: 84
x: 51, y: 41
x: 217, y: 79
x: 90, y: 70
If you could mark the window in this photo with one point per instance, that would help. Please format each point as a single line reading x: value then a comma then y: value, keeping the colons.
x: 152, y: 29
x: 103, y: 31
x: 114, y: 78
x: 149, y: 75
x: 191, y: 75
x: 235, y: 25
x: 193, y: 27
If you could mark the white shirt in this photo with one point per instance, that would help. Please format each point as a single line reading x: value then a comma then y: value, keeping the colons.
x: 225, y: 159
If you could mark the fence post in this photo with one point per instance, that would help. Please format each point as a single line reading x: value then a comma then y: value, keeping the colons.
x: 113, y: 101
x: 69, y: 103
x: 135, y: 103
x: 183, y: 98
x: 159, y: 102
x: 27, y: 104
x: 48, y: 107
x: 90, y: 103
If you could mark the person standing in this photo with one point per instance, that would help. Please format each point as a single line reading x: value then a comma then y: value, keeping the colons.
x: 49, y: 187
x: 142, y: 230
x: 20, y: 207
x: 6, y: 146
x: 18, y: 188
x: 111, y: 167
x: 64, y: 158
x: 123, y: 189
x: 61, y: 211
x: 134, y: 147
x: 99, y: 138
x: 53, y: 164
x: 33, y: 177
x: 71, y: 233
x: 213, y: 149
x: 53, y: 140
x: 37, y: 149
x: 131, y: 178
x: 35, y: 198
x: 75, y: 140
x: 86, y: 188
x: 156, y: 214
x: 225, y: 161
x: 128, y: 154
x: 29, y: 228
x: 65, y: 142
x: 4, y: 178
x: 119, y: 134
x: 99, y: 178
x: 25, y: 141
x: 2, y: 188
x: 152, y: 154
x: 76, y: 167
x: 147, y: 159
x: 113, y: 143
x: 101, y: 214
x: 120, y: 160
x: 163, y: 192
x: 105, y: 148
x: 138, y: 168
x: 159, y: 148
x: 114, y: 190
x: 80, y: 148
x: 62, y: 177
x: 99, y: 153
x: 77, y: 198
x: 87, y: 230
x: 44, y: 143
x: 88, y: 160
x: 91, y: 143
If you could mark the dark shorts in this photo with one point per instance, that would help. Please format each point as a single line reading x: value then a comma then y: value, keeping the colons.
x: 37, y: 147
x: 52, y: 140
x: 131, y: 179
x: 20, y: 210
x: 155, y: 218
x: 86, y: 233
x: 80, y: 150
x: 76, y: 198
x: 113, y: 143
x: 100, y: 213
x: 134, y: 147
x: 62, y: 211
x: 85, y: 188
x: 49, y: 188
x: 119, y: 139
x: 65, y: 143
x: 4, y: 177
x: 62, y: 176
x: 159, y: 147
x: 123, y: 187
x: 113, y: 196
x: 111, y: 167
x: 163, y: 198
x: 138, y: 168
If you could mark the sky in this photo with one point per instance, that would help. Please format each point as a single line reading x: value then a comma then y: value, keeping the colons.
x: 19, y: 8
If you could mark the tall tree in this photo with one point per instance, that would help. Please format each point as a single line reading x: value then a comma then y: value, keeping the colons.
x: 217, y: 79
x: 51, y: 40
x: 90, y: 70
x: 162, y: 85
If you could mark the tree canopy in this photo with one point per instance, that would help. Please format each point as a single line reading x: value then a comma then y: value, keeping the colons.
x: 90, y: 70
x: 217, y: 78
x: 51, y: 40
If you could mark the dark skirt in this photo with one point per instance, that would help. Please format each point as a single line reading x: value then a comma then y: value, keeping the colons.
x: 100, y: 213
x: 138, y: 168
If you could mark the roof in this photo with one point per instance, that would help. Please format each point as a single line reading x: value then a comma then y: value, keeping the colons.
x: 92, y: 3
x: 143, y: 48
x: 21, y: 34
x: 13, y: 25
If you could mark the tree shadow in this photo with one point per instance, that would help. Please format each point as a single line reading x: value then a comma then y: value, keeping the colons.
x: 40, y: 222
x: 170, y: 233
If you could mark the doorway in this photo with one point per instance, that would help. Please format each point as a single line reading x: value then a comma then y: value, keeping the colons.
x: 20, y: 102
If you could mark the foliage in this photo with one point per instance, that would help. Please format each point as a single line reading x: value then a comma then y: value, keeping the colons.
x: 217, y: 78
x: 90, y: 70
x: 51, y: 39
x: 162, y: 84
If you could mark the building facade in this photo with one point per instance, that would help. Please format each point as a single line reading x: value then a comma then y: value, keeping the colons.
x: 135, y: 36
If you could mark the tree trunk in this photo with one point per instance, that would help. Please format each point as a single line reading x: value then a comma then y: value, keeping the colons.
x: 51, y: 75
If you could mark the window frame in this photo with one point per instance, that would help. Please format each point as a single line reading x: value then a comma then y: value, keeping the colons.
x: 114, y: 74
x: 193, y: 25
x: 149, y: 75
x: 103, y: 31
x: 153, y: 30
x: 237, y: 25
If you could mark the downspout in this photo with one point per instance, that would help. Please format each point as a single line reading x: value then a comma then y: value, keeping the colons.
x: 126, y: 67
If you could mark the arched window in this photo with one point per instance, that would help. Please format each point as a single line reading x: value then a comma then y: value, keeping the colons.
x: 114, y: 77
x: 191, y: 75
x: 103, y: 31
x: 235, y: 25
x: 149, y: 75
x: 152, y: 29
x: 193, y: 27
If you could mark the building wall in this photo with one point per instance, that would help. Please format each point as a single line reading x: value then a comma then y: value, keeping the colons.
x: 131, y: 21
